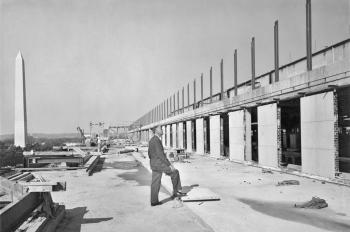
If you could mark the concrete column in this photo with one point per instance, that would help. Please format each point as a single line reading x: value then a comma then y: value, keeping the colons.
x: 267, y: 135
x: 248, y: 135
x: 189, y: 135
x: 215, y: 141
x: 168, y: 128
x: 20, y: 103
x: 199, y: 136
x: 318, y: 119
x: 237, y: 135
x: 174, y: 130
x: 163, y: 136
x: 180, y: 130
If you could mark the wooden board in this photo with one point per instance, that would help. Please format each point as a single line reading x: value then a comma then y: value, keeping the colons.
x: 200, y: 194
x: 13, y: 214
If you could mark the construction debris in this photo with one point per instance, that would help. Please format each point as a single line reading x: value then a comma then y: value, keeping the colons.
x: 30, y: 202
x: 91, y: 164
x: 288, y: 182
x: 264, y: 170
x: 314, y: 203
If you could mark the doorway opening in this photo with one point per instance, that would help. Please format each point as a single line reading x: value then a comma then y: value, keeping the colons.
x: 224, y: 135
x: 254, y: 134
x: 290, y: 132
x: 184, y: 135
x: 206, y: 129
x: 193, y: 133
x: 344, y: 129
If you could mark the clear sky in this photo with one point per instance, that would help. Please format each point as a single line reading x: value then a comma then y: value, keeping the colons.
x: 113, y: 60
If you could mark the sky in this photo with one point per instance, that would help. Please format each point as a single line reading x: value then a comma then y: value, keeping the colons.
x: 114, y: 60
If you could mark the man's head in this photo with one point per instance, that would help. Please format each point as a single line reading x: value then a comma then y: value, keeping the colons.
x: 157, y: 130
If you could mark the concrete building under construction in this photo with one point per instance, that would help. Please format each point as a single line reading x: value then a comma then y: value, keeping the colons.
x: 295, y: 116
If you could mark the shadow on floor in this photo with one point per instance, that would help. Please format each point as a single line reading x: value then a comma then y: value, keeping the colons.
x: 186, y: 189
x: 142, y: 177
x: 74, y: 218
x: 314, y: 217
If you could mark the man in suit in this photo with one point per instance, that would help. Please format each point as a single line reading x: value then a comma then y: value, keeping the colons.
x: 159, y: 164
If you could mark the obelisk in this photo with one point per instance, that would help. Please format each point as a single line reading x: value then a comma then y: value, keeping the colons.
x: 20, y: 103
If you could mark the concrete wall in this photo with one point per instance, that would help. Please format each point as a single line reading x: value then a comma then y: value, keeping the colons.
x: 317, y: 134
x: 174, y: 134
x: 189, y: 135
x: 199, y: 136
x: 267, y: 135
x: 248, y: 135
x: 163, y: 136
x: 215, y: 136
x: 237, y: 132
x: 180, y: 130
x: 168, y: 128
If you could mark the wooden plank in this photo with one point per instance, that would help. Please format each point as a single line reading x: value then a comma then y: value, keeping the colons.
x: 27, y: 178
x: 13, y: 214
x: 200, y: 194
x: 49, y: 169
x: 93, y: 164
x: 50, y: 225
x: 19, y: 176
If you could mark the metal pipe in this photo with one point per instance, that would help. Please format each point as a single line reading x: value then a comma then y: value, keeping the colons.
x: 276, y: 52
x: 174, y: 105
x: 308, y: 36
x: 188, y: 94
x: 222, y: 78
x: 211, y: 84
x: 202, y: 89
x: 253, y: 62
x: 235, y: 72
x: 183, y: 99
x: 194, y: 94
x: 178, y: 102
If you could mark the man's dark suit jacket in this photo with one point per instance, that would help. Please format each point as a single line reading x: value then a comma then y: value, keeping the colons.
x: 158, y: 159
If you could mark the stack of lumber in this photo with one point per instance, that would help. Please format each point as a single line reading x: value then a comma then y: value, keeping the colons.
x: 91, y: 164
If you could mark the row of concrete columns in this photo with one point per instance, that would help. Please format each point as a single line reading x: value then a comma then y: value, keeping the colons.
x: 318, y: 141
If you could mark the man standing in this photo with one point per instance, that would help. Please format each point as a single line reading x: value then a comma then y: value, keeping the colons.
x: 159, y: 164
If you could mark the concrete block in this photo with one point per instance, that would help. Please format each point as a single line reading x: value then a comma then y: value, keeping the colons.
x: 236, y: 135
x: 215, y: 142
x: 189, y: 135
x: 163, y: 136
x: 199, y: 136
x: 267, y: 135
x: 317, y: 134
x: 174, y: 134
x: 168, y: 128
x: 180, y: 130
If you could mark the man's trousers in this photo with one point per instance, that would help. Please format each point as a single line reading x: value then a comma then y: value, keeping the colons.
x: 156, y: 182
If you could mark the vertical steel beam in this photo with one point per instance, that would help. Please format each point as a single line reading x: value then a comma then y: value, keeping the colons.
x: 235, y: 72
x: 253, y: 62
x: 188, y: 94
x: 178, y: 102
x: 183, y: 99
x: 174, y: 104
x: 202, y: 89
x: 276, y: 52
x: 211, y: 84
x: 171, y: 108
x: 308, y: 36
x: 222, y: 78
x: 167, y: 107
x: 194, y: 94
